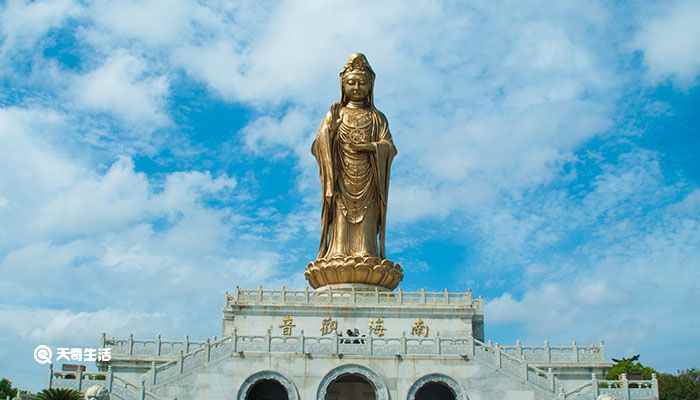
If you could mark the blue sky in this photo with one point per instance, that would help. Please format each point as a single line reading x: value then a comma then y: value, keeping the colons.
x: 156, y: 153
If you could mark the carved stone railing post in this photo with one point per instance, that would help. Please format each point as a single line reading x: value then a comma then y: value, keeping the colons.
x: 181, y: 361
x: 302, y: 350
x: 422, y: 293
x: 268, y: 339
x: 284, y: 294
x: 208, y: 350
x: 601, y: 352
x: 472, y: 344
x: 376, y: 293
x: 547, y: 351
x: 158, y: 345
x: 235, y: 340
x: 110, y: 379
x: 499, y: 359
x: 625, y: 387
x: 187, y: 344
x: 404, y: 344
x: 519, y: 349
x: 468, y: 297
x: 438, y: 345
x: 524, y: 364
x: 574, y: 348
x: 80, y: 380
x: 103, y: 342
x: 400, y: 296
x: 354, y: 295
x: 238, y: 294
x: 655, y: 386
x: 330, y: 295
x: 131, y: 344
x: 153, y: 373
x: 550, y: 379
x: 594, y: 385
x: 447, y: 296
x: 260, y: 294
x: 336, y: 349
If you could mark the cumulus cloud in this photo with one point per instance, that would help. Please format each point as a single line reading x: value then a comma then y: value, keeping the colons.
x: 670, y: 43
x: 23, y: 23
x: 123, y: 87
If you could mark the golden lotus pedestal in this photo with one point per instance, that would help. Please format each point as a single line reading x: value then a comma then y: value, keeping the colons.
x: 353, y: 271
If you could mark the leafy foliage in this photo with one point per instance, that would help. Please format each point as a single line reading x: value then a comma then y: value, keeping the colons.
x: 6, y: 389
x: 58, y: 394
x: 685, y: 385
x: 631, y: 367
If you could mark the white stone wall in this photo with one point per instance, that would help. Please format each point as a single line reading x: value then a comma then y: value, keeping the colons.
x: 223, y: 381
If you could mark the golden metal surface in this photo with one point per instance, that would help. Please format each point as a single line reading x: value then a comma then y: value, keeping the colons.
x: 354, y: 151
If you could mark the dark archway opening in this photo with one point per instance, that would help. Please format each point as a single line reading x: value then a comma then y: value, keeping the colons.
x: 351, y: 387
x: 267, y: 389
x: 435, y: 391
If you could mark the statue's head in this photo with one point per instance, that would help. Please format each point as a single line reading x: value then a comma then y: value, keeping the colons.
x: 357, y: 80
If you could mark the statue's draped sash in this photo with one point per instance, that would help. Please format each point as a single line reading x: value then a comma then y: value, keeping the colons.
x: 380, y: 159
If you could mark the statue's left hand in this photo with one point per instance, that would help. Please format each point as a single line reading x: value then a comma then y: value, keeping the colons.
x: 362, y: 147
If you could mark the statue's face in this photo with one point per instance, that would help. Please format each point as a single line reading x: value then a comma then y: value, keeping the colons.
x: 356, y: 87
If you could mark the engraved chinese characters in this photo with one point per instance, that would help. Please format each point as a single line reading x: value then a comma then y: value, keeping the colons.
x: 287, y: 325
x: 375, y: 327
x: 354, y: 151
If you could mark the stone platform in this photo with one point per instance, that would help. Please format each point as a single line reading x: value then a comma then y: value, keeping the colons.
x: 352, y: 344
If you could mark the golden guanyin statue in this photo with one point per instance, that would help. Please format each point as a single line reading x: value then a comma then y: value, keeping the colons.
x: 354, y: 151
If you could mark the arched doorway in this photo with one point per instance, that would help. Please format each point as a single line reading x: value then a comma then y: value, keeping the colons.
x: 267, y: 389
x: 351, y: 387
x: 435, y: 391
x: 350, y: 382
x: 267, y: 385
x: 436, y: 387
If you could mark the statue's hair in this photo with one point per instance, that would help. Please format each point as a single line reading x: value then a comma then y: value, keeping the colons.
x: 357, y: 63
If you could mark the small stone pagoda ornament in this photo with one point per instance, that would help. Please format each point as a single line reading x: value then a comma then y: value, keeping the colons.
x: 354, y: 151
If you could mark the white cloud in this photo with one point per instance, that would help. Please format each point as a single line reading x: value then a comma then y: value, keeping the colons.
x: 23, y: 23
x: 670, y: 42
x: 122, y: 85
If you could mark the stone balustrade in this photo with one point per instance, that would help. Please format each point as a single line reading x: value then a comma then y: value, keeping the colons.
x: 622, y: 389
x: 285, y: 296
x: 119, y: 389
x: 546, y: 354
x: 156, y: 347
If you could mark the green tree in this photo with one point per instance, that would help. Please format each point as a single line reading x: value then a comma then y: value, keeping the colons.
x: 685, y: 385
x: 631, y: 367
x: 58, y: 394
x: 6, y: 389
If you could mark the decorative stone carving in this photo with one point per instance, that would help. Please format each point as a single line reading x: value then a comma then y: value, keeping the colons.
x: 460, y: 394
x: 353, y: 269
x: 289, y: 386
x: 381, y: 390
x: 97, y: 392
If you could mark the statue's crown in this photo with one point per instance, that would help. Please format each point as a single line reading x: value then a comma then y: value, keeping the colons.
x: 357, y: 63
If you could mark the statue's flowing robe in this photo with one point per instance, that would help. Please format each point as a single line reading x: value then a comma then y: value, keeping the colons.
x: 329, y: 169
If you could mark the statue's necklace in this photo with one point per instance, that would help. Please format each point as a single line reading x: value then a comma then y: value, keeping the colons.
x: 356, y: 124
